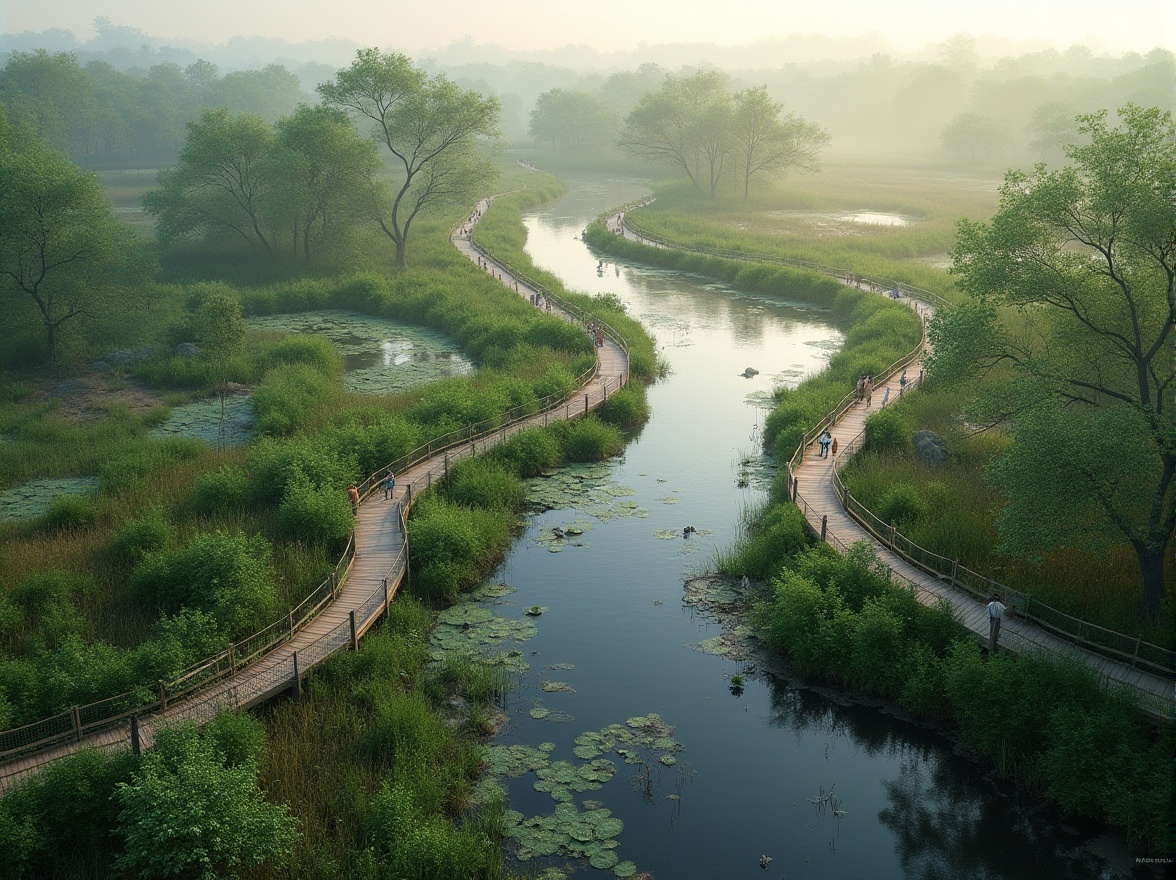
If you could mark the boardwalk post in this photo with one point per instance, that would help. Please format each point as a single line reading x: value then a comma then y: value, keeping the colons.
x: 429, y: 482
x: 136, y: 743
x: 1135, y: 656
x: 605, y: 386
x: 447, y: 464
x: 892, y: 534
x: 334, y: 583
x: 585, y: 404
x: 232, y: 659
x: 955, y: 567
x: 77, y: 723
x: 290, y: 622
x: 296, y: 684
x: 354, y: 633
x: 795, y: 487
x: 824, y: 525
x: 385, y: 595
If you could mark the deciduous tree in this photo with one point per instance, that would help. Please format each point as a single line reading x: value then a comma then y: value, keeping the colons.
x: 436, y: 132
x: 1086, y: 258
x: 60, y: 243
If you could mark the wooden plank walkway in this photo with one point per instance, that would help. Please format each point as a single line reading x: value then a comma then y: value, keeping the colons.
x: 817, y: 497
x: 377, y: 570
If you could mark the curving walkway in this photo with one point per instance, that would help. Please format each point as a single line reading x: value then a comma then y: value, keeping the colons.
x: 377, y: 568
x: 813, y: 486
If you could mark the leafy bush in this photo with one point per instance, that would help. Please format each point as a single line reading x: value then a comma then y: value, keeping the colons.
x: 529, y: 452
x: 902, y: 504
x: 224, y: 491
x: 145, y: 534
x: 887, y: 431
x: 626, y: 408
x: 274, y: 464
x: 289, y: 396
x: 224, y: 574
x: 186, y: 814
x: 312, y: 514
x: 589, y: 439
x: 477, y: 482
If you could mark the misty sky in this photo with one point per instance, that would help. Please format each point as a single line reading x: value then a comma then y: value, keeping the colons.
x: 607, y: 25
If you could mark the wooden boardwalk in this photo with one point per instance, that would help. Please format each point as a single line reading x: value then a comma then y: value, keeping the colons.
x: 378, y: 568
x: 817, y: 497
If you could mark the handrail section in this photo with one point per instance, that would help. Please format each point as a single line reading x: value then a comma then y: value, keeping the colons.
x: 1132, y: 650
x: 75, y: 723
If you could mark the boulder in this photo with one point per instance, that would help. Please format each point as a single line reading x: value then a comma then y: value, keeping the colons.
x: 72, y: 386
x: 187, y: 349
x: 929, y: 447
x: 749, y: 372
x: 100, y: 367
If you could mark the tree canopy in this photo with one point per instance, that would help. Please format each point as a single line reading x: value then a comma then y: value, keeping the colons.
x: 437, y: 133
x: 696, y: 124
x: 1072, y: 286
x: 60, y: 244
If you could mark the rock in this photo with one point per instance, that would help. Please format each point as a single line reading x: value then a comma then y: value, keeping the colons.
x: 100, y: 367
x: 749, y: 372
x: 929, y: 447
x: 187, y: 349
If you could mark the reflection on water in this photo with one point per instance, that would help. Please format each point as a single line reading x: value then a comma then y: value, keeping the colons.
x: 380, y: 356
x: 876, y: 218
x: 756, y: 759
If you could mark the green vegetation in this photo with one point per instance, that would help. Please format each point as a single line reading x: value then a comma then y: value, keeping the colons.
x: 843, y: 620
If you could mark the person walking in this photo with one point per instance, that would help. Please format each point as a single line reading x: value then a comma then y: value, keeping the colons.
x: 834, y: 446
x: 996, y: 610
x: 823, y: 441
x: 353, y: 496
x: 902, y: 383
x: 389, y: 485
x: 885, y: 396
x: 869, y: 390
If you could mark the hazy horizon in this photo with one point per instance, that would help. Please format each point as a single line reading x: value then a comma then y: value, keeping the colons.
x: 612, y: 26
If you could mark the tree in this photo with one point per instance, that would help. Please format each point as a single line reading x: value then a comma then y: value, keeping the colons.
x: 574, y: 121
x: 1085, y: 257
x: 696, y: 124
x: 436, y: 132
x: 217, y: 188
x: 220, y: 330
x: 51, y: 93
x: 322, y: 174
x: 685, y: 123
x: 60, y: 243
x: 186, y: 814
x: 768, y: 144
x: 969, y: 133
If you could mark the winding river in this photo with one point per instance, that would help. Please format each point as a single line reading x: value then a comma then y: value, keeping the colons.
x: 746, y: 772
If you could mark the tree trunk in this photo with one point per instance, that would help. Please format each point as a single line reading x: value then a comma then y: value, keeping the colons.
x: 1151, y: 566
x: 51, y: 341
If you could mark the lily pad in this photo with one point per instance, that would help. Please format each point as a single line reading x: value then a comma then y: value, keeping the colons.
x: 604, y: 860
x: 557, y: 687
x: 625, y: 869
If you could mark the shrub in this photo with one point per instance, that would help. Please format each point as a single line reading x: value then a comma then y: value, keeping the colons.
x: 185, y: 814
x: 902, y: 504
x: 924, y: 686
x: 138, y: 537
x: 220, y: 492
x: 273, y: 464
x: 312, y: 514
x: 878, y: 650
x: 589, y: 439
x: 68, y: 513
x: 289, y: 396
x: 43, y: 611
x: 887, y: 431
x: 529, y: 452
x: 626, y: 408
x: 479, y: 482
x: 224, y: 574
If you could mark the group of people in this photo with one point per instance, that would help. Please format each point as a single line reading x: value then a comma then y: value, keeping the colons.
x: 388, y: 484
x: 595, y: 333
x: 539, y: 301
x: 827, y: 444
x: 865, y: 388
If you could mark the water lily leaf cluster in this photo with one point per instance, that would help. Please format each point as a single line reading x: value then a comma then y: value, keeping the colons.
x: 586, y: 488
x: 572, y: 833
x: 472, y: 629
x: 202, y: 420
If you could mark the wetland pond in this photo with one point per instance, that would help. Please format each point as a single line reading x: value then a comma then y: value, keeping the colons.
x: 380, y: 356
x: 626, y: 747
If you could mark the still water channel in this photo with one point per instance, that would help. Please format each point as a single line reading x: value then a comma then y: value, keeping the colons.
x: 735, y: 778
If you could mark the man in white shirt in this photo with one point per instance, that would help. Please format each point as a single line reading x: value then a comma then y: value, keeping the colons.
x: 996, y: 610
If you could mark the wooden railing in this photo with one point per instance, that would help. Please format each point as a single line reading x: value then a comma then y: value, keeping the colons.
x: 1129, y: 649
x: 74, y: 724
